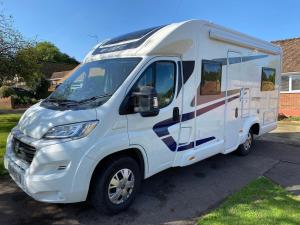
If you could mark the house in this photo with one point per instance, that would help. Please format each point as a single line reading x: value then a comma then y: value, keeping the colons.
x: 290, y: 77
x: 59, y: 77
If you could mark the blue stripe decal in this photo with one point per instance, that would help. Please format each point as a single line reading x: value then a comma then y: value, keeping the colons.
x: 170, y: 142
x: 202, y: 141
x: 161, y: 128
x: 186, y: 147
x: 198, y: 142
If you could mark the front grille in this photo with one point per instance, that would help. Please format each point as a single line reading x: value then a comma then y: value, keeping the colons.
x: 23, y: 151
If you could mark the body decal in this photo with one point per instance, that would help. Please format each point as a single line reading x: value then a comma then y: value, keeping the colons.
x: 161, y: 128
x: 172, y: 145
x: 202, y: 99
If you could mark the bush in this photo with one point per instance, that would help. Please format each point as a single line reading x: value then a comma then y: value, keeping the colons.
x: 42, y: 89
x: 6, y: 91
x: 23, y: 92
x: 23, y: 100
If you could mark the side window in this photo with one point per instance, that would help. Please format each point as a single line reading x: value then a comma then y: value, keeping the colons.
x: 285, y: 83
x: 162, y: 76
x: 146, y: 79
x: 268, y: 79
x: 211, y: 76
x: 165, y: 82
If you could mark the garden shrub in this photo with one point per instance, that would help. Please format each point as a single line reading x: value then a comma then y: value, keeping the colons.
x: 6, y: 91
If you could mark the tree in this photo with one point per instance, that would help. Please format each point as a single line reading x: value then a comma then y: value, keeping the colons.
x: 48, y: 52
x: 11, y: 41
x: 28, y: 66
x: 27, y: 59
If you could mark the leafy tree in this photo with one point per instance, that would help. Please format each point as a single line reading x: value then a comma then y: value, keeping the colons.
x: 28, y: 66
x: 27, y: 59
x: 11, y: 41
x: 48, y: 52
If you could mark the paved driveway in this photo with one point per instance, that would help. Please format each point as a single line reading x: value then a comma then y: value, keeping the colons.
x: 175, y: 196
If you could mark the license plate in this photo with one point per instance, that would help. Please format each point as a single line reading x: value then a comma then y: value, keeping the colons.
x: 16, y: 175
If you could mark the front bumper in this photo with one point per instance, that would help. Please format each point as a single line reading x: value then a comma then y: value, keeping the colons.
x: 50, y: 177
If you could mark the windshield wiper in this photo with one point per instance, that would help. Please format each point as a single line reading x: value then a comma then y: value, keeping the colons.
x: 94, y: 98
x: 61, y: 100
x: 69, y: 103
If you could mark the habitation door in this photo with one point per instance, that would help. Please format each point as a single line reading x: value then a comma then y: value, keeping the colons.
x: 233, y: 104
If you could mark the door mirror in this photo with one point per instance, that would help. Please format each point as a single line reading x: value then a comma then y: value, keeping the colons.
x: 145, y: 101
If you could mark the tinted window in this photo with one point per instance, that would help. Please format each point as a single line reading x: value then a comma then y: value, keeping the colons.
x: 165, y: 82
x: 268, y: 79
x: 284, y: 83
x: 211, y: 78
x: 135, y: 40
x: 162, y: 76
x: 130, y: 36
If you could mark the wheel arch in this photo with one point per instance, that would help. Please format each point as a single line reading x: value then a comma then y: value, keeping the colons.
x: 134, y: 152
x: 255, y: 128
x: 250, y: 123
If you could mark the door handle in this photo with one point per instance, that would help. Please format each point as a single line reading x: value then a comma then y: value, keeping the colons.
x: 176, y: 115
x: 236, y: 112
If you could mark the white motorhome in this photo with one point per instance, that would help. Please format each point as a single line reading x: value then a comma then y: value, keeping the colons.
x: 143, y: 102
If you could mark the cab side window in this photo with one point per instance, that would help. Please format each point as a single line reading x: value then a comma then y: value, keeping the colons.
x: 162, y: 76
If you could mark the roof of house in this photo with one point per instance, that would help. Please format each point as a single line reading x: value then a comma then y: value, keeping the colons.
x: 59, y: 75
x: 291, y: 54
x: 49, y: 68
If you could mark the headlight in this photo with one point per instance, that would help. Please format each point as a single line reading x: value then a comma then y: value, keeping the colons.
x: 74, y: 130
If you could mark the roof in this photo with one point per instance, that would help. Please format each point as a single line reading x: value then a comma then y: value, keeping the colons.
x: 174, y: 39
x: 291, y: 54
x: 59, y: 75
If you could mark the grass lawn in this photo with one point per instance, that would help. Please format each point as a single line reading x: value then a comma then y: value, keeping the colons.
x: 7, y: 122
x: 261, y: 202
x: 292, y: 118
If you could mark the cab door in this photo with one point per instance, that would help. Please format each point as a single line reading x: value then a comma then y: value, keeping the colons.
x: 158, y: 135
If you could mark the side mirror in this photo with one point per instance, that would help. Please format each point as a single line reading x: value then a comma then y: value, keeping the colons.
x: 145, y: 101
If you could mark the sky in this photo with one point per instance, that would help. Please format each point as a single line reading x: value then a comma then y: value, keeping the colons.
x: 75, y: 26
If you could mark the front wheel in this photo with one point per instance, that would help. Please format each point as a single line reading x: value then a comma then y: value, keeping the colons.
x: 246, y: 147
x: 115, y: 188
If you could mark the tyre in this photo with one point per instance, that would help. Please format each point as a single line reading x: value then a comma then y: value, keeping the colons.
x: 115, y: 187
x: 246, y: 147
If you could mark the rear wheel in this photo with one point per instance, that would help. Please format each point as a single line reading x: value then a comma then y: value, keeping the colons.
x: 115, y: 188
x: 246, y: 147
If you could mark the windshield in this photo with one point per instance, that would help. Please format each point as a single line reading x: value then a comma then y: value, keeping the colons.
x: 94, y: 80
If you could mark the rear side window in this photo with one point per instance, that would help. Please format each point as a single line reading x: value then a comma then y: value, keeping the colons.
x: 211, y: 76
x: 162, y: 76
x: 268, y: 79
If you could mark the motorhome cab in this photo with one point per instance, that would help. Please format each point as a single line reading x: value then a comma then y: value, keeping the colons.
x: 140, y: 103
